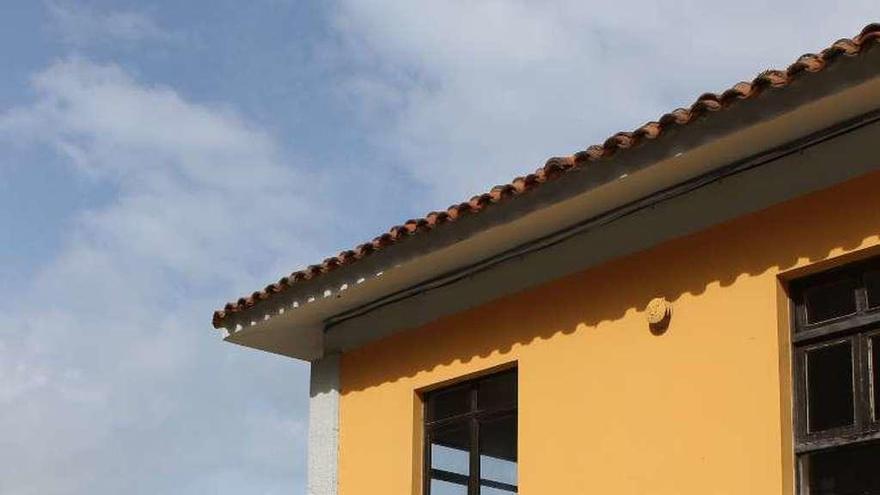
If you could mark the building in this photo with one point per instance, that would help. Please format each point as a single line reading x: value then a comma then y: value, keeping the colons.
x: 689, y: 308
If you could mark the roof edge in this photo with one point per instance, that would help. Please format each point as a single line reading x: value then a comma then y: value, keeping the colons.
x: 557, y: 167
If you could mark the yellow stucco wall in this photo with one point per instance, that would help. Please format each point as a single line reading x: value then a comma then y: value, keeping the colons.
x: 605, y: 406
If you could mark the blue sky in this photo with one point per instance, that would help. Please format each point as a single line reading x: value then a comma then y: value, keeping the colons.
x: 159, y: 158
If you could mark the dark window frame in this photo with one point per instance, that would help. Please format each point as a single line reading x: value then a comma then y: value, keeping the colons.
x: 858, y: 328
x: 473, y: 418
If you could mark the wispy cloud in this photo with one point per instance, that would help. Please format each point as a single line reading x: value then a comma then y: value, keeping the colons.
x: 484, y: 91
x: 80, y: 24
x: 105, y: 356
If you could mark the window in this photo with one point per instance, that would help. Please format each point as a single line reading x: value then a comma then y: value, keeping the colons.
x: 836, y: 341
x: 470, y: 437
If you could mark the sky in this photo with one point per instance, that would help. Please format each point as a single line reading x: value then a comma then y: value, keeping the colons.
x: 160, y: 158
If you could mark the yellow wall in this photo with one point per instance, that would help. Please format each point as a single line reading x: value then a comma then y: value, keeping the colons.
x: 605, y: 406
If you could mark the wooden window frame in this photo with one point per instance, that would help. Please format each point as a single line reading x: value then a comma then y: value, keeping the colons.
x: 472, y: 420
x: 857, y: 328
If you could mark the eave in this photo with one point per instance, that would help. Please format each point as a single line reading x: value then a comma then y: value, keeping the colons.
x: 294, y: 322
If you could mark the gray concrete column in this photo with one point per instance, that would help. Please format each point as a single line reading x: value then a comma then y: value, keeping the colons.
x: 324, y: 426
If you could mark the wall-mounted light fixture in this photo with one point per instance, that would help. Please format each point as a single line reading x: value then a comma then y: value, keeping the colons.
x: 658, y: 312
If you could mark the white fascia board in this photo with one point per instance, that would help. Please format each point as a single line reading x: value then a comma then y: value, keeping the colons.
x: 714, y: 202
x: 292, y: 323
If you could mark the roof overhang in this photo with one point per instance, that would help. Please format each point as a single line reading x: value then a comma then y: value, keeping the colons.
x: 295, y: 323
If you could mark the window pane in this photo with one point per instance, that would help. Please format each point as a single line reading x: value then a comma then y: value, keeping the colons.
x: 872, y: 285
x: 830, y: 301
x: 498, y: 456
x: 449, y: 403
x: 829, y: 387
x: 488, y: 490
x: 439, y: 487
x: 875, y: 374
x: 498, y: 391
x: 850, y: 471
x: 450, y: 450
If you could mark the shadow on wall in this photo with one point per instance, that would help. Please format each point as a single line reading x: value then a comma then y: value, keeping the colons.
x: 804, y: 231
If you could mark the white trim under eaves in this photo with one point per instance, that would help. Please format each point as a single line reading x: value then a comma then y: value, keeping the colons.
x: 727, y: 197
x: 294, y: 325
x: 614, y: 215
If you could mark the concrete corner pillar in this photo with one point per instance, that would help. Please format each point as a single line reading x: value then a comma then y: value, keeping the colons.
x: 323, y: 458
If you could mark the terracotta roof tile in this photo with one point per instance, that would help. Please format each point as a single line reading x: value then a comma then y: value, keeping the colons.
x: 558, y: 166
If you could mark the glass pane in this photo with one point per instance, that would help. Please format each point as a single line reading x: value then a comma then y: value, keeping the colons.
x: 439, y: 487
x: 850, y: 471
x: 488, y: 490
x: 875, y: 374
x: 830, y: 387
x: 498, y: 456
x: 449, y: 403
x: 872, y: 285
x: 830, y: 301
x: 498, y: 391
x: 450, y: 460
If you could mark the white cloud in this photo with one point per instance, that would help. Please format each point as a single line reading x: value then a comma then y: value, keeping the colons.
x: 108, y: 368
x: 480, y: 92
x: 80, y: 24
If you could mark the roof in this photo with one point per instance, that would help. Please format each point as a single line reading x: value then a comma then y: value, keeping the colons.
x: 558, y: 167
